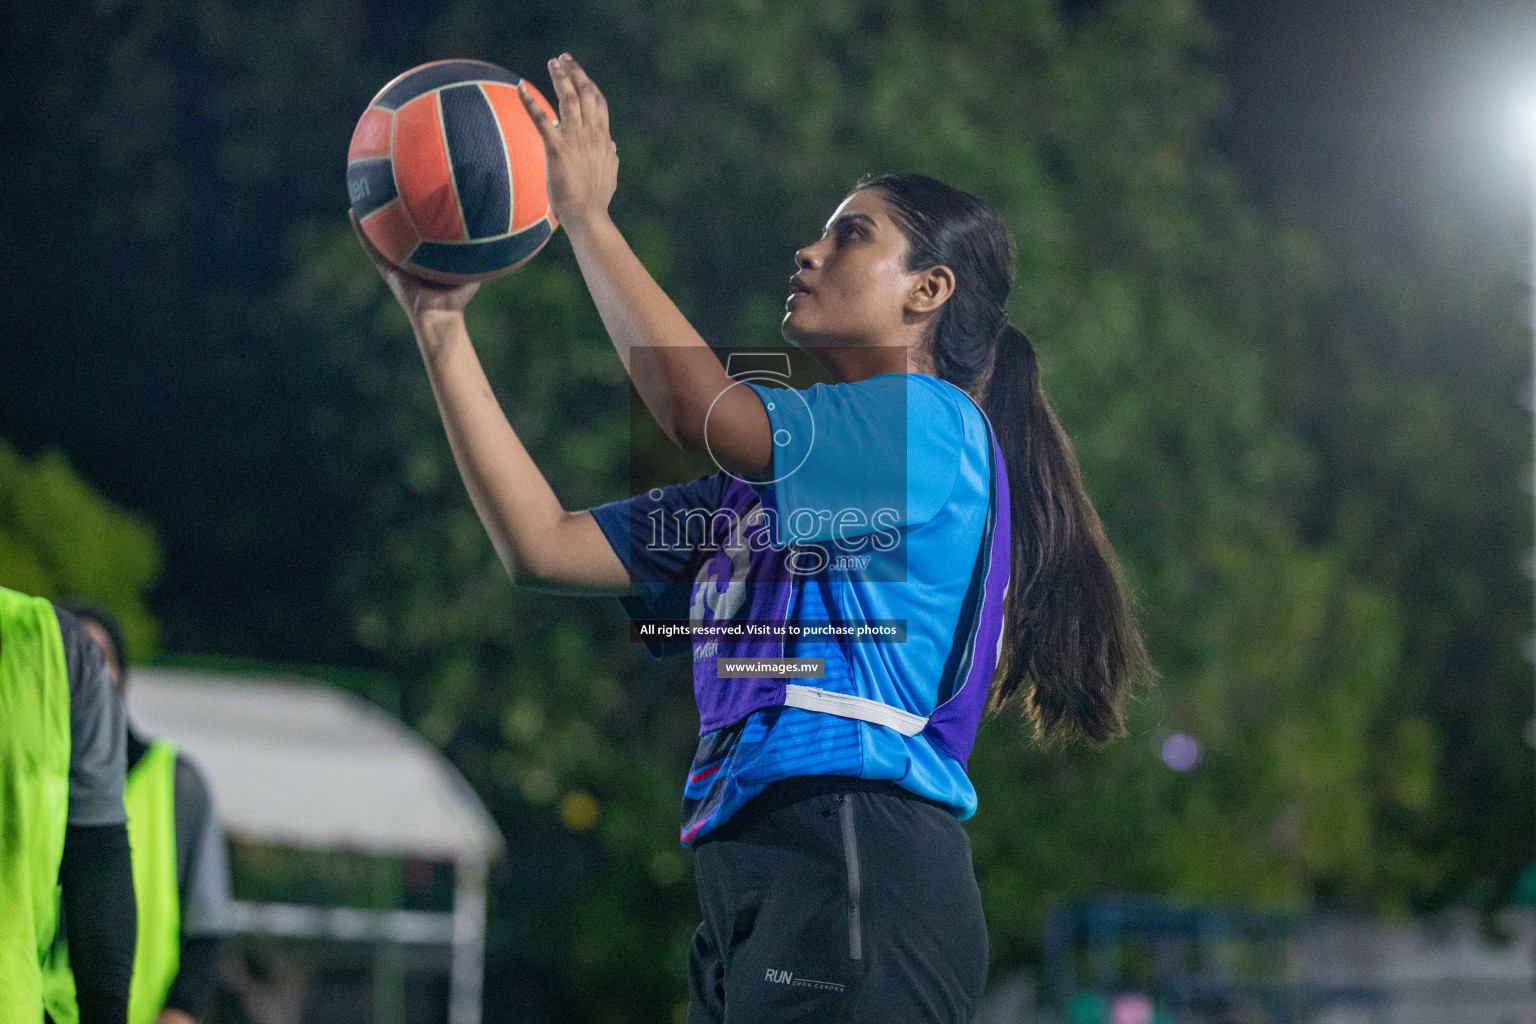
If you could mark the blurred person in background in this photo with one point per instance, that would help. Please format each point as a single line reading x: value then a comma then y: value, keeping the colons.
x: 180, y: 868
x: 64, y: 857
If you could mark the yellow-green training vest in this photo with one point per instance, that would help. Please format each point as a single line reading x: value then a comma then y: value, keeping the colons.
x: 34, y: 796
x: 150, y: 800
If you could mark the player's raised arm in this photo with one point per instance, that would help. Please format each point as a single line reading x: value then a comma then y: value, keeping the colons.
x: 678, y: 377
x: 540, y: 543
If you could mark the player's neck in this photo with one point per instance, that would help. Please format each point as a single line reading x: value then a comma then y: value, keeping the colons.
x: 845, y: 365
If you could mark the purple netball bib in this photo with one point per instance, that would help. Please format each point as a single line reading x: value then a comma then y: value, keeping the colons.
x: 745, y: 579
x: 979, y: 636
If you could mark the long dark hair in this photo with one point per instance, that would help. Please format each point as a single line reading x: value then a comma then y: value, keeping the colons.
x: 1071, y: 647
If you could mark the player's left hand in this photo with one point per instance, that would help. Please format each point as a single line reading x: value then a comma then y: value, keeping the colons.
x: 582, y: 160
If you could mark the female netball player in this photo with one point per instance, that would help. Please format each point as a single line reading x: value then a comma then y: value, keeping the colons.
x: 920, y: 486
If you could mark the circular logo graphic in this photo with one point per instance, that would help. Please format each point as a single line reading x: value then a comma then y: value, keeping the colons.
x: 781, y: 437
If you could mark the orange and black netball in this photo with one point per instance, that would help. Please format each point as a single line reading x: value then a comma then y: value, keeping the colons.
x: 446, y: 172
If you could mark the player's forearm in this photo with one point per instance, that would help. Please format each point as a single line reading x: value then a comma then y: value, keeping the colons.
x: 100, y: 917
x: 510, y: 494
x: 678, y: 376
x: 197, y: 972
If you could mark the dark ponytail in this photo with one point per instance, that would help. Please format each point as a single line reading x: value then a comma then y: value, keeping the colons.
x: 1071, y: 647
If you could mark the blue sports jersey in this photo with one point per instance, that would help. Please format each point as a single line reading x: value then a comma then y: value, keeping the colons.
x: 848, y: 474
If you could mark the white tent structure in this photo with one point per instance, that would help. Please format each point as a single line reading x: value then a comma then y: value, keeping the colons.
x: 297, y: 764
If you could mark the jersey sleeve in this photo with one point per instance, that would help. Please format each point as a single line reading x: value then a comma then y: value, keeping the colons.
x: 98, y: 737
x: 859, y: 458
x: 663, y: 536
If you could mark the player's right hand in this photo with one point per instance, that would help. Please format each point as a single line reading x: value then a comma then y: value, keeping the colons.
x: 416, y: 295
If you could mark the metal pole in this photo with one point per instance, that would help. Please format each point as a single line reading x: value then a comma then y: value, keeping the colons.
x: 388, y: 957
x: 1531, y: 645
x: 468, y: 967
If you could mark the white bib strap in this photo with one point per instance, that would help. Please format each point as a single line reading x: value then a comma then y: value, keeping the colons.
x: 846, y: 705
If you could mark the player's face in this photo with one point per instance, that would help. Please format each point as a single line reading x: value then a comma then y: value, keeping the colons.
x: 856, y: 279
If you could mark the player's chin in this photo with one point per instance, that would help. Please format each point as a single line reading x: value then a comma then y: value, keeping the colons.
x: 794, y: 329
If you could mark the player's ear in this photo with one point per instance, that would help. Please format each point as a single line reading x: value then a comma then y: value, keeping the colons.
x: 931, y: 288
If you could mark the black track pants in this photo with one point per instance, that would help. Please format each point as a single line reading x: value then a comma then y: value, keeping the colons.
x: 831, y: 898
